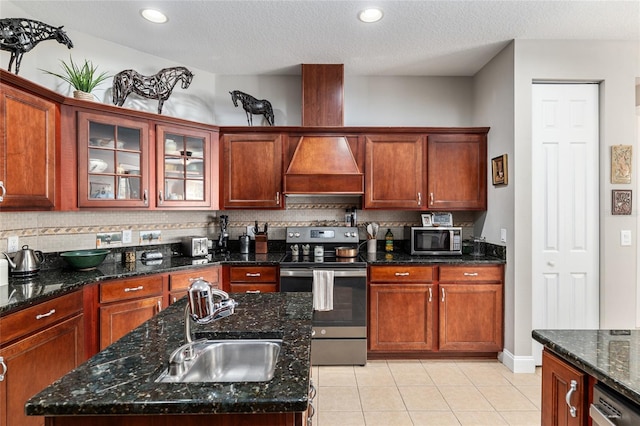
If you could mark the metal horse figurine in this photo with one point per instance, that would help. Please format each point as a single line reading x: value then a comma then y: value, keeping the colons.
x: 20, y: 35
x: 157, y: 86
x: 252, y: 105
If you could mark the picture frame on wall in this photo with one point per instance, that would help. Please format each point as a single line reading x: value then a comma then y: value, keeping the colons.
x: 500, y: 175
x: 426, y: 219
x: 621, y: 201
x: 621, y: 163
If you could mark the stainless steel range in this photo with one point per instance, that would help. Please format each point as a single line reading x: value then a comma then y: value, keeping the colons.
x: 339, y: 334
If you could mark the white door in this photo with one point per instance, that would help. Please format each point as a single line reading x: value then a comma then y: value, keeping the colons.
x: 565, y: 175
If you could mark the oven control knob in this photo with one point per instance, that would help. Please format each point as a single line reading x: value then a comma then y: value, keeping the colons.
x: 290, y: 234
x: 323, y: 331
x: 313, y: 332
x: 297, y: 235
x: 353, y: 234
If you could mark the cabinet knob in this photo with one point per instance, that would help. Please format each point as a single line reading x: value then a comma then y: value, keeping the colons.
x: 3, y: 191
x: 572, y: 410
x: 4, y: 369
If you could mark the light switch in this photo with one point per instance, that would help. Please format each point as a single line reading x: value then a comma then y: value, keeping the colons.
x: 126, y: 236
x: 503, y: 235
x: 625, y: 237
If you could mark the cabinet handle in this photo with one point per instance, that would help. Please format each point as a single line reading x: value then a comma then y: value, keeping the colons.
x: 4, y: 369
x: 572, y: 410
x: 175, y: 299
x: 431, y: 198
x: 442, y: 294
x: 3, y: 191
x: 430, y: 295
x: 278, y: 198
x: 160, y: 199
x: 402, y: 274
x: 159, y: 306
x: 145, y: 197
x: 128, y: 289
x: 48, y: 314
x: 253, y: 274
x: 470, y: 274
x: 253, y: 291
x: 419, y: 199
x: 196, y: 279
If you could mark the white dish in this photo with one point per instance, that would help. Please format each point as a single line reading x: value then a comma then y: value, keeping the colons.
x: 97, y: 165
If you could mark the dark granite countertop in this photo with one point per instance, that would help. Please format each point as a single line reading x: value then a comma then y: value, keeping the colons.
x: 611, y: 358
x: 121, y: 378
x: 402, y: 258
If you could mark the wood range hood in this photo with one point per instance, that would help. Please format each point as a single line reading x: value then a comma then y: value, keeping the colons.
x: 323, y: 164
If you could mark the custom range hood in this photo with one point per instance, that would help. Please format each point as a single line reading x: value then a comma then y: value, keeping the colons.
x: 323, y: 164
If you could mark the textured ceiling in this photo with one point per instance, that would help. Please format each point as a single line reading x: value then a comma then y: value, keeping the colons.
x: 450, y: 38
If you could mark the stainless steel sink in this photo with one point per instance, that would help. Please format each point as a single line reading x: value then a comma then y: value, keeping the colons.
x: 246, y: 360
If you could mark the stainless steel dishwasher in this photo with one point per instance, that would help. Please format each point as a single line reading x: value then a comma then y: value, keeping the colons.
x: 609, y: 408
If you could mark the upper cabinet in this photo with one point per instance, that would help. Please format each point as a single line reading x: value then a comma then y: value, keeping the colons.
x: 252, y: 170
x: 129, y: 162
x: 457, y: 171
x: 394, y: 175
x: 29, y: 131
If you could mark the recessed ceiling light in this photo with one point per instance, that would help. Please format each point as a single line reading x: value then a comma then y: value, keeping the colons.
x: 154, y: 16
x: 370, y: 15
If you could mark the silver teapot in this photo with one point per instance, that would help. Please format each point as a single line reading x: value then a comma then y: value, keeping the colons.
x: 25, y: 262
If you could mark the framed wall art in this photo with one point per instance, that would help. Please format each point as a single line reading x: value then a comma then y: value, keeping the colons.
x: 621, y: 201
x: 621, y: 163
x: 426, y: 219
x: 499, y: 170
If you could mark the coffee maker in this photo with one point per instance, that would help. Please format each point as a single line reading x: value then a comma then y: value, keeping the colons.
x: 223, y: 240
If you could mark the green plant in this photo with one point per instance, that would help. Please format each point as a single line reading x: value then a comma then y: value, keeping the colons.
x: 83, y: 78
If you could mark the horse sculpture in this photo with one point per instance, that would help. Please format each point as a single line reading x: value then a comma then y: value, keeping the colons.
x: 158, y: 86
x: 252, y: 105
x: 20, y: 35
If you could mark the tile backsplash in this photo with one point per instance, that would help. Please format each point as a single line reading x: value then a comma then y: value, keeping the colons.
x: 60, y: 231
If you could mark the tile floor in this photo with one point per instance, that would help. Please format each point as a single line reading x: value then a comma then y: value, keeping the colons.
x: 426, y: 392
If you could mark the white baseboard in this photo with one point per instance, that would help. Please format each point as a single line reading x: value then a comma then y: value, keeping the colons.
x: 517, y: 364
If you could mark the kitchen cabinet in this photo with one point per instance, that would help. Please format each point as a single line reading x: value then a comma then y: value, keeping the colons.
x: 127, y: 303
x: 563, y: 384
x: 401, y: 296
x: 133, y: 162
x: 179, y: 281
x: 471, y: 308
x: 394, y: 172
x: 457, y: 171
x: 253, y: 279
x: 252, y: 171
x: 29, y: 130
x: 38, y: 345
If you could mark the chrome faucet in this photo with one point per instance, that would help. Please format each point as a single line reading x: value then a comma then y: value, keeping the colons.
x: 201, y: 307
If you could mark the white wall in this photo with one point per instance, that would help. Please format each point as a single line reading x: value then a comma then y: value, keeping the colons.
x: 616, y: 64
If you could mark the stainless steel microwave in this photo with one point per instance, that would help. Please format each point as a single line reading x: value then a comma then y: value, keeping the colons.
x: 434, y: 241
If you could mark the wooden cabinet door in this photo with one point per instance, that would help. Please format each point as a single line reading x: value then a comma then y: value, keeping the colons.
x: 35, y: 362
x: 401, y: 317
x: 558, y: 378
x: 470, y: 317
x: 113, y: 161
x: 394, y: 175
x: 187, y: 159
x: 27, y: 150
x: 118, y: 319
x: 457, y: 172
x: 252, y: 175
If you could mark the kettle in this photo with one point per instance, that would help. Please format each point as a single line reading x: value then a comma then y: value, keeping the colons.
x: 25, y: 262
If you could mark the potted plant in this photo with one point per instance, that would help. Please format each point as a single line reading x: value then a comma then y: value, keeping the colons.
x: 82, y: 78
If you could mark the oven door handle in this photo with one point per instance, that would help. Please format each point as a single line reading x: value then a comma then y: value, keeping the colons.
x: 337, y: 273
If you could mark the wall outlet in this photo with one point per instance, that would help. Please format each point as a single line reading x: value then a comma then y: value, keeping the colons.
x: 625, y: 237
x: 126, y: 236
x: 503, y: 235
x: 13, y: 244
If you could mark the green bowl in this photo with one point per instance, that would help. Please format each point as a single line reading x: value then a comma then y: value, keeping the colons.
x: 84, y: 260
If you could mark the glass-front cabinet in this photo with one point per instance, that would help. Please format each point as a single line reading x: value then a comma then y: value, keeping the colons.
x: 183, y: 167
x: 113, y: 161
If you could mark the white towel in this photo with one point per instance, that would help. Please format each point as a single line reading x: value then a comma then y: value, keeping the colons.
x: 322, y: 290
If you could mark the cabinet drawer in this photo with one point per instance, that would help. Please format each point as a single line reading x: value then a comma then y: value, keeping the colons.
x: 471, y: 273
x: 181, y: 280
x: 130, y: 288
x: 39, y: 316
x: 401, y: 273
x: 254, y: 288
x: 252, y: 274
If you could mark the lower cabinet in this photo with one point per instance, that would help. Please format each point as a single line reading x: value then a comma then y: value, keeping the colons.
x: 253, y: 279
x: 179, y: 281
x: 565, y: 398
x: 127, y: 303
x: 51, y: 346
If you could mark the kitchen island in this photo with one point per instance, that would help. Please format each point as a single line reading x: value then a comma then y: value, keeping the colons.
x: 117, y: 386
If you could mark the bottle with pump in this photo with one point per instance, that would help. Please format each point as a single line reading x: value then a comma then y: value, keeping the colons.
x: 388, y: 241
